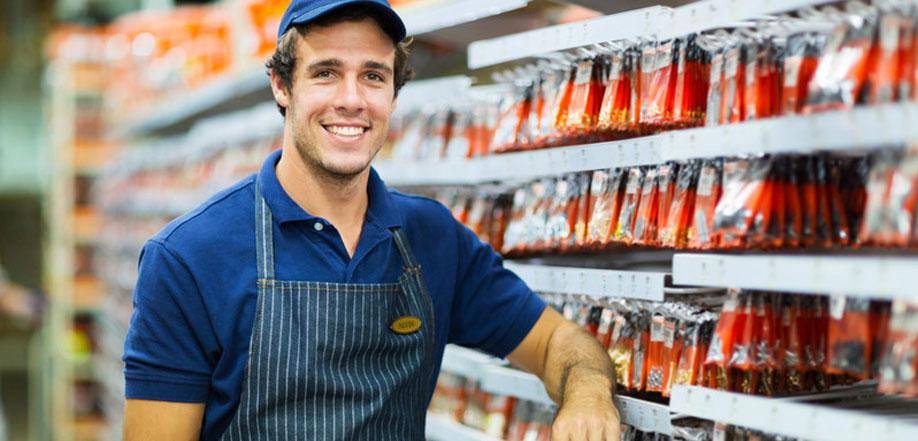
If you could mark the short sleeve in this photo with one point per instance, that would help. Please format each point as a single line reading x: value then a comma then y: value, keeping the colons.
x: 170, y: 349
x: 493, y: 309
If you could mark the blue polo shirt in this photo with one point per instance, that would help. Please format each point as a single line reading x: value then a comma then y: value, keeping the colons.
x: 195, y: 297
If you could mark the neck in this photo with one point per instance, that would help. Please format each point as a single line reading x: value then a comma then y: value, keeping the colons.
x: 342, y: 200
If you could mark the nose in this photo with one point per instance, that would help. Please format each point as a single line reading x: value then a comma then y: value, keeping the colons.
x: 349, y: 98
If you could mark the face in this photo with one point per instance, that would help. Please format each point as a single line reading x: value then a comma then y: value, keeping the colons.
x: 342, y: 96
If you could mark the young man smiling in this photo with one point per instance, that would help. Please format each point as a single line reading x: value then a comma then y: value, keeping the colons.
x: 294, y: 303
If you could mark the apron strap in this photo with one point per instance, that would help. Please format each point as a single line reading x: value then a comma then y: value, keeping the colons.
x: 264, y: 237
x: 401, y: 242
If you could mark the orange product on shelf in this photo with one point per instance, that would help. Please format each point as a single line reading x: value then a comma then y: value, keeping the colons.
x: 723, y: 341
x: 606, y: 326
x: 843, y: 67
x: 621, y: 350
x: 900, y: 353
x: 744, y: 189
x: 714, y: 115
x: 667, y: 175
x: 733, y: 107
x: 607, y: 194
x: 645, y: 223
x: 639, y: 364
x: 849, y: 337
x: 586, y: 97
x: 884, y: 61
x: 553, y: 86
x: 616, y: 99
x: 624, y: 229
x: 658, y: 85
x: 513, y: 115
x: 767, y: 351
x: 841, y: 231
x: 655, y: 361
x: 584, y: 211
x: 793, y: 211
x: 559, y: 112
x: 701, y: 234
x: 672, y: 349
x: 678, y: 221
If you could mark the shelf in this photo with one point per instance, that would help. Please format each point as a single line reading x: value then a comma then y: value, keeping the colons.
x: 428, y: 18
x: 644, y: 415
x: 789, y: 418
x: 860, y: 129
x: 655, y: 22
x: 178, y: 112
x: 592, y: 282
x: 514, y: 383
x: 465, y: 362
x: 443, y: 428
x: 887, y: 277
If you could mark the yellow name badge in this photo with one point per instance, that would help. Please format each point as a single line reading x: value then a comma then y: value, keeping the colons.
x: 405, y: 325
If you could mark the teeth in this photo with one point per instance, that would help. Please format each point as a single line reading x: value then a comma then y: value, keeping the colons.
x: 346, y: 130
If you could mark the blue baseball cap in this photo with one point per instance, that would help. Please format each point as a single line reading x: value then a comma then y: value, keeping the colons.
x: 305, y: 11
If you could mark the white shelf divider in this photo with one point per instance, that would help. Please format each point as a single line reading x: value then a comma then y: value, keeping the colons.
x: 654, y: 22
x: 886, y: 277
x: 511, y: 382
x: 442, y: 428
x: 860, y: 129
x: 444, y: 14
x: 644, y: 415
x: 592, y: 282
x: 789, y: 418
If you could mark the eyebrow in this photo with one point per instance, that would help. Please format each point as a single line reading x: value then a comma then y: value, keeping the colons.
x: 333, y: 62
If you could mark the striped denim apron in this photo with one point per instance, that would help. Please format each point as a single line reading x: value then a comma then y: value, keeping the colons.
x: 323, y: 361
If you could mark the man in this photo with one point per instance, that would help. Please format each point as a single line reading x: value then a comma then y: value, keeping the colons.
x: 310, y: 301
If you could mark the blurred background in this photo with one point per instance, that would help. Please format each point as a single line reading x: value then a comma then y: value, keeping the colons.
x: 107, y: 108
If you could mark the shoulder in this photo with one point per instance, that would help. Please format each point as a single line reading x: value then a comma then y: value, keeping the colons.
x: 228, y: 213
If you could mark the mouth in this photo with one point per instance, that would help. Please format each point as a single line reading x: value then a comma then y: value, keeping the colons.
x: 346, y: 131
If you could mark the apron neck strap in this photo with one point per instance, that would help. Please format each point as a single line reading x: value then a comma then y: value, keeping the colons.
x: 264, y: 237
x: 401, y: 242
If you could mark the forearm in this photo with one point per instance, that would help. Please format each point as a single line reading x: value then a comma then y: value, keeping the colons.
x: 577, y: 366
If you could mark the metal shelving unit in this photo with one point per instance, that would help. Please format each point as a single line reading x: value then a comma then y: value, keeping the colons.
x: 653, y: 22
x: 790, y: 418
x: 592, y: 282
x: 887, y: 277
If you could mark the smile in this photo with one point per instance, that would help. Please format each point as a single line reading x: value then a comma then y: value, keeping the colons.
x: 347, y: 131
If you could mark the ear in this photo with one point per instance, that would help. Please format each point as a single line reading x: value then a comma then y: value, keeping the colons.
x: 279, y: 89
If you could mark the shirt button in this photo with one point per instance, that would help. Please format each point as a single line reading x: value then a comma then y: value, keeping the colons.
x: 318, y: 226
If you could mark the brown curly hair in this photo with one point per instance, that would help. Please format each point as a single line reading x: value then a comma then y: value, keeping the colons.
x: 283, y: 61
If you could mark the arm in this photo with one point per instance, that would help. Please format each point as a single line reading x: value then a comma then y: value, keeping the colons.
x: 578, y: 375
x: 158, y: 420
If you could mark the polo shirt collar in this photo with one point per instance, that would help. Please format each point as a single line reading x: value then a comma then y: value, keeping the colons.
x: 380, y: 207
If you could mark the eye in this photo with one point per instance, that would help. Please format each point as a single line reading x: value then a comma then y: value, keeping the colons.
x: 323, y: 74
x: 372, y: 76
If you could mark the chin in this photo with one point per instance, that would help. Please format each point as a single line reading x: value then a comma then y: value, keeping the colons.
x: 346, y: 168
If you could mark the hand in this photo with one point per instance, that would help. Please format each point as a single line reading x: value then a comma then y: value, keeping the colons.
x: 587, y: 419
